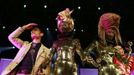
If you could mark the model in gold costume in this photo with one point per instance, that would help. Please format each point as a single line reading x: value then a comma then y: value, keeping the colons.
x: 103, y: 48
x: 66, y: 46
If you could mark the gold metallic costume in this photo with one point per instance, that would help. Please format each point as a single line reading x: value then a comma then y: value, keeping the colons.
x: 66, y: 47
x: 104, y: 58
x: 103, y: 49
x: 65, y: 50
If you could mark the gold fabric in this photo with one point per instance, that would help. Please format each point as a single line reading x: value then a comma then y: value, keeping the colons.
x: 65, y: 63
x: 104, y: 58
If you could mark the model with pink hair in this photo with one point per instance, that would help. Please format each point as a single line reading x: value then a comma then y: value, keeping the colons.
x: 103, y: 48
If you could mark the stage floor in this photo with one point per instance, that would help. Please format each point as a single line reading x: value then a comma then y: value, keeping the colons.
x: 82, y: 71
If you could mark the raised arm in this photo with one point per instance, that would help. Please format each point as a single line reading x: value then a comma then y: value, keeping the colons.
x: 129, y: 49
x: 13, y: 37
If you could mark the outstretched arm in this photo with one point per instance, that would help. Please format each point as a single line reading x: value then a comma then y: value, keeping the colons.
x: 87, y: 52
x: 84, y: 54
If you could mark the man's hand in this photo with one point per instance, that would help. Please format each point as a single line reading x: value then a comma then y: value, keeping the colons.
x: 29, y: 26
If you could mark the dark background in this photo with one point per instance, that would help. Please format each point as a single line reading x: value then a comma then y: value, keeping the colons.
x: 13, y: 14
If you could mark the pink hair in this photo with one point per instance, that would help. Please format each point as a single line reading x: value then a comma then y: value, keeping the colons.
x: 108, y: 20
